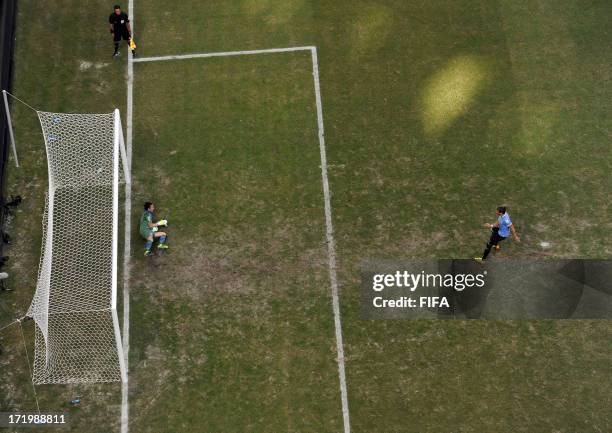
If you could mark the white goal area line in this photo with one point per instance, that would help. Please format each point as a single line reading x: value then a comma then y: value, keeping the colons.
x: 329, y: 232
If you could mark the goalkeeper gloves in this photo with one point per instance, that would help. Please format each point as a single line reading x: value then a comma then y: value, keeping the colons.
x: 154, y: 229
x: 162, y: 223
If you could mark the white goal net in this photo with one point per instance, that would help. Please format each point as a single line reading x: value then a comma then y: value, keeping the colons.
x: 77, y: 336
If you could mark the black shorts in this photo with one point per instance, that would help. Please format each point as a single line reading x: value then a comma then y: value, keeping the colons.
x: 495, y: 237
x: 123, y: 34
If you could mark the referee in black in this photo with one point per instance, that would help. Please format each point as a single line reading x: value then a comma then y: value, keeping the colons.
x: 120, y: 28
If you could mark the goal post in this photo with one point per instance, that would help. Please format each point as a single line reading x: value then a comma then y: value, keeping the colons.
x: 77, y: 333
x: 118, y: 153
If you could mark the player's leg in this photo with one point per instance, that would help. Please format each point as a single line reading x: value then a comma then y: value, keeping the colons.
x: 493, y: 241
x: 161, y: 236
x: 487, y: 250
x: 116, y: 40
x: 149, y: 245
x: 497, y: 246
x: 495, y: 238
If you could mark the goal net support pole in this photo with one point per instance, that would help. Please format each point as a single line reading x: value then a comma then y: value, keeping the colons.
x: 122, y: 152
x: 10, y: 126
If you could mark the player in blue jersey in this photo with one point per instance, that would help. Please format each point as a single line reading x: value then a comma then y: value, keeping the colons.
x: 500, y: 230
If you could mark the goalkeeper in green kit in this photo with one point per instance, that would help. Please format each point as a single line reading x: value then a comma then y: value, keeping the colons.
x: 149, y: 230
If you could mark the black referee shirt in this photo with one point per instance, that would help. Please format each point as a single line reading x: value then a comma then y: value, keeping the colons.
x: 119, y: 22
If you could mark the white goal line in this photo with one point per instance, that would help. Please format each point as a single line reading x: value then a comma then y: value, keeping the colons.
x: 329, y: 232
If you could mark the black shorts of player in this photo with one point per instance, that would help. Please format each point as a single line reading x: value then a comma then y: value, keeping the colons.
x: 495, y: 237
x: 124, y: 34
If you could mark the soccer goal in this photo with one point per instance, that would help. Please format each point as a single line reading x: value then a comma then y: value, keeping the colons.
x: 77, y: 335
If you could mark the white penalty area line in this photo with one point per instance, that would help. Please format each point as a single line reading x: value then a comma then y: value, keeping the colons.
x: 222, y: 54
x: 331, y: 245
x: 329, y: 232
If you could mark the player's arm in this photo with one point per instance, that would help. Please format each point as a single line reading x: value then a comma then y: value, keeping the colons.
x: 150, y: 222
x: 514, y: 233
x: 160, y: 223
x: 490, y: 226
x: 110, y: 24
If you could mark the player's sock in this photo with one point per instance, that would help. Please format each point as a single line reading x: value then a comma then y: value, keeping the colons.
x: 148, y: 248
x: 116, y: 49
x: 162, y: 245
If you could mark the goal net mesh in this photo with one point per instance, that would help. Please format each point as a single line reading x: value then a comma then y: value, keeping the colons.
x: 74, y: 307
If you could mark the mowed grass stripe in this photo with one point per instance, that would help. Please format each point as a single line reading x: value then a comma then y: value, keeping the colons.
x: 236, y: 319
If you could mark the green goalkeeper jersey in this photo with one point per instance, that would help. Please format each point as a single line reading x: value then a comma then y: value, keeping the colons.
x: 145, y: 219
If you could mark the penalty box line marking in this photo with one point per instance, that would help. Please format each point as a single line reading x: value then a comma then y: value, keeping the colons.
x: 331, y: 246
x: 221, y: 54
x: 329, y: 232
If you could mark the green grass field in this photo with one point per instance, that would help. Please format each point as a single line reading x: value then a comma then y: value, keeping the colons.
x: 435, y: 113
